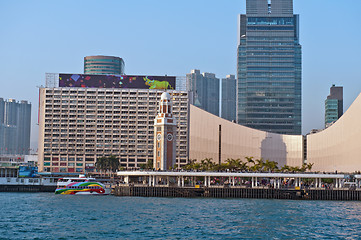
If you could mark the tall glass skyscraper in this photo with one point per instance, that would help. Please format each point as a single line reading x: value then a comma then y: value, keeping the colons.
x: 205, y: 90
x: 269, y: 67
x: 15, y: 122
x: 333, y: 105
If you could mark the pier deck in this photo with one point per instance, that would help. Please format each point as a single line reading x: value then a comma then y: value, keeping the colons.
x: 238, y: 185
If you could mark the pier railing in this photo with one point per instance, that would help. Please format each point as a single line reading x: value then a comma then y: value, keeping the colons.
x: 295, y: 181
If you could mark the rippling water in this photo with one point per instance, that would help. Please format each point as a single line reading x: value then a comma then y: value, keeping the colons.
x: 50, y: 216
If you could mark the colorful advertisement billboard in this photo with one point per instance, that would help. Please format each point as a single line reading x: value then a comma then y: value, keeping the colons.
x: 27, y: 171
x: 116, y: 81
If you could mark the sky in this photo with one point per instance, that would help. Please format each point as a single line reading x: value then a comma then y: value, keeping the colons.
x: 169, y: 37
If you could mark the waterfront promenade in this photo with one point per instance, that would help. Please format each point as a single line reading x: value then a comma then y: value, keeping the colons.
x: 233, y: 179
x: 239, y: 185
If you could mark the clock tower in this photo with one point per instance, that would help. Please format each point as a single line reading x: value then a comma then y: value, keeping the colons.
x: 165, y: 127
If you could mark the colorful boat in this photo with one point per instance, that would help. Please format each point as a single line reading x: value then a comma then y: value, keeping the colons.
x: 81, y: 185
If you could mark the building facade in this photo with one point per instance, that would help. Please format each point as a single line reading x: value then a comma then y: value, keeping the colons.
x: 205, y: 90
x: 333, y: 105
x: 15, y: 122
x: 104, y: 65
x: 216, y: 138
x: 79, y: 125
x: 337, y: 148
x: 228, y: 102
x: 269, y: 67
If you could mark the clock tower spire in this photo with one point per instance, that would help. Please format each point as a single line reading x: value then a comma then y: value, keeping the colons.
x: 164, y: 135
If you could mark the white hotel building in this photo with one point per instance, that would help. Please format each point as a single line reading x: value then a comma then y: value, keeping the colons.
x: 79, y: 125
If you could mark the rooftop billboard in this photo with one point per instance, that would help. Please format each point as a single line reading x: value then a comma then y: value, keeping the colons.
x: 116, y: 81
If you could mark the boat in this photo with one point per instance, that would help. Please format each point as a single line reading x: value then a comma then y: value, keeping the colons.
x: 81, y: 185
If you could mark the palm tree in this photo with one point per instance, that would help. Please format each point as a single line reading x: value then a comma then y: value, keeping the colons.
x: 101, y: 164
x: 249, y: 162
x: 149, y: 164
x: 243, y: 166
x: 259, y: 164
x: 107, y: 164
x: 232, y: 164
x: 286, y: 168
x: 270, y: 166
x: 209, y: 164
x: 190, y: 165
x: 113, y: 163
x: 309, y: 166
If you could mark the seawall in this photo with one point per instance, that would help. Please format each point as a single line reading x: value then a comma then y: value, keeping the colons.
x: 27, y: 188
x: 229, y: 192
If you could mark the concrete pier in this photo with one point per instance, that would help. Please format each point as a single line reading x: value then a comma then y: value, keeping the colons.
x: 238, y: 185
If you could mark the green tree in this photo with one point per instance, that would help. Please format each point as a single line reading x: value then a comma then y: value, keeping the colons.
x: 249, y: 161
x: 107, y: 164
x: 270, y: 166
x: 286, y: 168
x: 113, y: 163
x: 309, y: 166
x: 100, y: 164
x: 207, y: 164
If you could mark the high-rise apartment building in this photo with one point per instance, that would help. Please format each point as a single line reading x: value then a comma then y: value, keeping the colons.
x: 228, y: 102
x: 104, y: 65
x: 205, y: 90
x: 269, y: 67
x: 79, y: 125
x: 15, y: 122
x: 333, y: 105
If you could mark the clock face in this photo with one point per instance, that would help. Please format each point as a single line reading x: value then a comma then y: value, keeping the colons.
x: 159, y: 137
x: 169, y: 137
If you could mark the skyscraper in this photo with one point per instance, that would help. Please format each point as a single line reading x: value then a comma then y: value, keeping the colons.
x: 269, y: 67
x: 228, y: 103
x: 104, y: 65
x: 205, y: 90
x: 15, y: 121
x: 333, y: 105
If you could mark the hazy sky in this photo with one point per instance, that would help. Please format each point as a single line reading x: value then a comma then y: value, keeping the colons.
x: 170, y: 37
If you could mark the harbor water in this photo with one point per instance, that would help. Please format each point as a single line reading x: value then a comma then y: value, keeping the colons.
x: 50, y: 216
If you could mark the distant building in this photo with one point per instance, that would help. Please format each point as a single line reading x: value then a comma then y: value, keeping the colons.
x: 79, y: 125
x: 269, y: 67
x: 228, y: 102
x: 333, y: 105
x: 205, y: 90
x: 104, y: 65
x: 15, y: 122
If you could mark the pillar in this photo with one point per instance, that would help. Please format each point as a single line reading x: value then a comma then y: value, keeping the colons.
x: 205, y: 181
x: 182, y: 181
x: 150, y: 181
x: 179, y: 181
x: 252, y: 182
x: 153, y: 181
x: 233, y: 181
x: 126, y: 179
x: 278, y: 183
